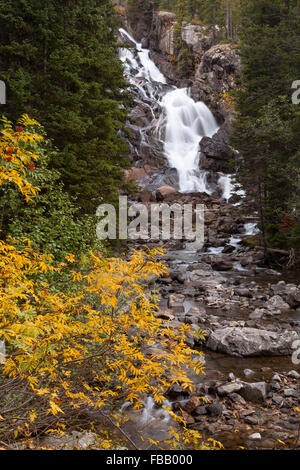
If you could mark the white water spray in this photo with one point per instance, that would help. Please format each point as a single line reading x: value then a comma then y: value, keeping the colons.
x: 148, y: 69
x: 187, y: 123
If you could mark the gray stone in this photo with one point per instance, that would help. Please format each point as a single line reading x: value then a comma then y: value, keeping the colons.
x: 257, y: 314
x: 228, y: 388
x: 277, y: 399
x: 293, y: 374
x: 290, y: 392
x: 277, y: 303
x: 255, y: 437
x: 165, y: 315
x: 248, y: 372
x: 242, y: 342
x: 276, y: 378
x: 251, y: 420
x: 214, y: 409
x: 254, y: 392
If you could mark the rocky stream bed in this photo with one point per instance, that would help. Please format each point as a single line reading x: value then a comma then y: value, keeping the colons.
x: 249, y: 312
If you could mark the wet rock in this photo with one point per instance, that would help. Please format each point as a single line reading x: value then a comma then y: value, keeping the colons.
x: 164, y: 191
x: 242, y: 292
x: 187, y: 417
x: 236, y: 398
x: 251, y: 342
x: 293, y: 299
x: 216, y: 151
x: 145, y: 196
x: 74, y: 441
x: 276, y: 378
x: 277, y: 399
x: 194, y: 315
x: 228, y: 249
x: 220, y: 264
x: 137, y: 174
x: 255, y: 437
x: 253, y: 420
x: 210, y: 217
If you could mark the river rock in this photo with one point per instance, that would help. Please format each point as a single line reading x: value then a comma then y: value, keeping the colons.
x: 165, y: 315
x: 191, y: 405
x: 257, y: 314
x: 254, y: 392
x: 214, y: 409
x: 293, y: 299
x: 251, y: 342
x: 220, y: 264
x: 277, y: 303
x: 293, y: 374
x: 229, y: 388
x: 248, y: 372
x: 255, y: 437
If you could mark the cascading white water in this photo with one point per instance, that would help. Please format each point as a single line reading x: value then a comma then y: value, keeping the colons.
x: 148, y: 69
x: 187, y: 123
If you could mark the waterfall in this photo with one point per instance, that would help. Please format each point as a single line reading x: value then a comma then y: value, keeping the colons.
x: 186, y: 122
x: 148, y: 68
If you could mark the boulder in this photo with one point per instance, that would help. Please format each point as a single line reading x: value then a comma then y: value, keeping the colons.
x: 164, y: 191
x: 243, y: 342
x: 254, y: 392
x: 220, y: 264
x: 293, y: 374
x: 277, y: 303
x: 216, y: 151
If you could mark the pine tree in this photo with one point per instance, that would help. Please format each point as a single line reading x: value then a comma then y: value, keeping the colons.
x: 60, y: 65
x: 266, y: 129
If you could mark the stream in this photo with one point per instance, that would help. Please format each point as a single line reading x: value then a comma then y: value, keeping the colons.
x: 174, y: 128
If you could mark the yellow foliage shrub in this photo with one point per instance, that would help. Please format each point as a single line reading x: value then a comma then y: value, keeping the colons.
x: 95, y: 345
